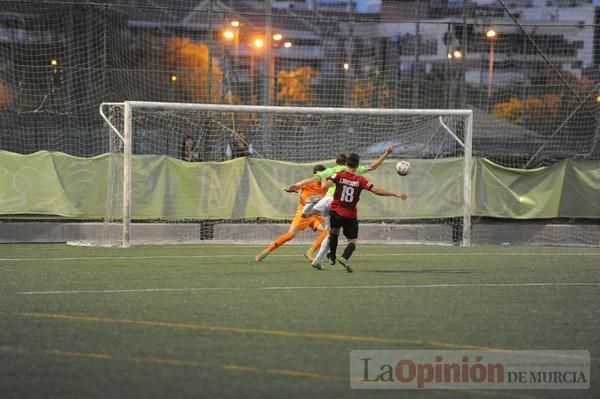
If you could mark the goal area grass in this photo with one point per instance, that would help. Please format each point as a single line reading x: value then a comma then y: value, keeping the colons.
x: 208, y: 321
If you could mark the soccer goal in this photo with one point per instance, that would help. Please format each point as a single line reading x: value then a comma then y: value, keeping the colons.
x: 227, y: 182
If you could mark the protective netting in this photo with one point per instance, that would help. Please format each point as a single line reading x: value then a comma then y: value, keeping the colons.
x: 532, y: 85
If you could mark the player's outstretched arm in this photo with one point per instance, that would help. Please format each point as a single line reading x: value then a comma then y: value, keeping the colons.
x: 386, y: 153
x: 298, y: 185
x: 325, y: 184
x: 385, y: 193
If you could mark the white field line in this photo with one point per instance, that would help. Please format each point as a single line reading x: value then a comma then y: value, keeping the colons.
x: 130, y: 290
x: 292, y: 288
x: 455, y: 254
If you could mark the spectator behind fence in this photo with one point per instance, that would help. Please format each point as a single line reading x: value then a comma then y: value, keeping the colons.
x: 239, y: 146
x: 189, y: 152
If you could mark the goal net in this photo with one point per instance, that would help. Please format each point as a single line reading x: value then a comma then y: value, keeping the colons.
x: 189, y: 172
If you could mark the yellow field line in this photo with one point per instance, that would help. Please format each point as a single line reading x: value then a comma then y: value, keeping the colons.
x: 56, y: 352
x: 161, y: 360
x: 258, y: 331
x: 236, y: 367
x: 230, y: 367
x: 171, y: 362
x: 295, y: 373
x: 12, y: 349
x: 268, y: 332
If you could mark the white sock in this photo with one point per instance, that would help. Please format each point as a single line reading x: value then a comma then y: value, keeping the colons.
x: 322, y: 250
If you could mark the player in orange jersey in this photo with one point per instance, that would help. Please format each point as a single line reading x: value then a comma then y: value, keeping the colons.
x: 309, y: 193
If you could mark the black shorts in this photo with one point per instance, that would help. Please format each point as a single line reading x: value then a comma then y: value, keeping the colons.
x: 349, y: 226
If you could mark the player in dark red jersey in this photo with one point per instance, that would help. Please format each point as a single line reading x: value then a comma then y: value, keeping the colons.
x: 343, y: 212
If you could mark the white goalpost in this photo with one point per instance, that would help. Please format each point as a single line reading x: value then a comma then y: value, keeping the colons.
x: 437, y: 141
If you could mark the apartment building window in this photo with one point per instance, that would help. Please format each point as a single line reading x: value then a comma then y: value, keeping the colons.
x: 407, y: 45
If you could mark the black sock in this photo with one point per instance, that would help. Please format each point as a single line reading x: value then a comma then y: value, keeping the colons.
x: 348, y: 251
x: 333, y: 243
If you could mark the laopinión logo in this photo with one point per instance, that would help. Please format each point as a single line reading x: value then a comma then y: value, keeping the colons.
x: 447, y: 369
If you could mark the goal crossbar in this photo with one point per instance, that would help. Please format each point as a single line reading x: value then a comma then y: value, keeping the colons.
x: 298, y: 110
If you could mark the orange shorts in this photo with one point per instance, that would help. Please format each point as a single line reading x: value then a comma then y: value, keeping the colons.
x: 312, y: 221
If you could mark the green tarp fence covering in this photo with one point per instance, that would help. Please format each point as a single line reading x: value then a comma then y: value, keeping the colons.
x: 47, y: 183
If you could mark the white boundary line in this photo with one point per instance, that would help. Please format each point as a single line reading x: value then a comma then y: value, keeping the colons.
x: 251, y: 255
x: 130, y: 291
x: 291, y: 288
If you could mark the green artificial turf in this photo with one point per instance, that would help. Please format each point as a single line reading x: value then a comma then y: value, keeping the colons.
x: 208, y: 321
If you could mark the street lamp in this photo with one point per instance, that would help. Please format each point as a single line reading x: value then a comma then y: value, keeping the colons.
x: 256, y: 45
x: 233, y: 34
x: 455, y: 54
x: 452, y: 68
x: 260, y: 45
x: 56, y: 74
x: 172, y: 80
x: 491, y: 35
x: 259, y: 42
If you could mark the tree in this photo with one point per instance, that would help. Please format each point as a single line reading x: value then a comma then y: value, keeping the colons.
x: 510, y: 110
x: 369, y: 92
x: 295, y: 86
x: 186, y: 65
x: 540, y: 109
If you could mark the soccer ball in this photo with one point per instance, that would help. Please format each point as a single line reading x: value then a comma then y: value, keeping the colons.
x: 403, y: 168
